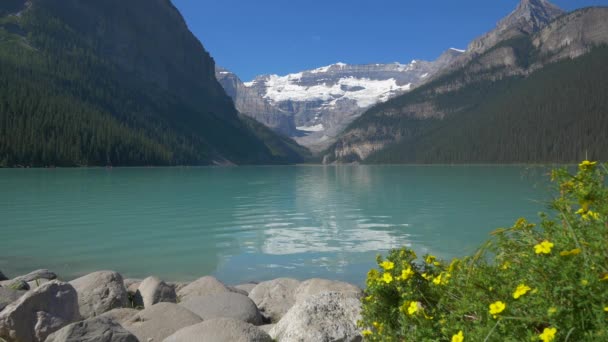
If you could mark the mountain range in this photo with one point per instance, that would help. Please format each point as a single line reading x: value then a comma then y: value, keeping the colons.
x: 531, y: 90
x: 314, y: 106
x: 120, y: 83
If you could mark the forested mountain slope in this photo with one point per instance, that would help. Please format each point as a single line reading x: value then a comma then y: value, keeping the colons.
x: 531, y: 98
x: 111, y: 82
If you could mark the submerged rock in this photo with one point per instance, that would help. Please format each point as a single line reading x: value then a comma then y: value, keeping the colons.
x: 39, y: 313
x: 329, y: 316
x: 155, y: 323
x: 224, y: 305
x: 100, y: 292
x: 220, y: 330
x: 99, y: 329
x: 275, y: 297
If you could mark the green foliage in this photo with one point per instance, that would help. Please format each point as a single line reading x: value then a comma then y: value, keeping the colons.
x: 528, y: 283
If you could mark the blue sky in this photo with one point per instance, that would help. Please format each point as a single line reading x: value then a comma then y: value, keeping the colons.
x: 253, y: 37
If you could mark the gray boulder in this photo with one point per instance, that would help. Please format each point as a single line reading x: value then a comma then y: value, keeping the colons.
x: 202, y: 287
x: 99, y: 329
x: 224, y: 305
x: 39, y: 312
x: 329, y: 316
x: 130, y: 281
x: 120, y: 315
x: 8, y: 295
x: 220, y: 330
x: 178, y: 286
x: 37, y: 283
x: 246, y: 287
x: 275, y: 297
x: 155, y: 323
x: 153, y: 290
x: 35, y: 275
x: 100, y: 292
x: 316, y: 286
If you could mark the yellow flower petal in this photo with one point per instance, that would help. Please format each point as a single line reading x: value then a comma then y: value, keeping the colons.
x: 458, y: 337
x: 497, y: 307
x: 548, y: 335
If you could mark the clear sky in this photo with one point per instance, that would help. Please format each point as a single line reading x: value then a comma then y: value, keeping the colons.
x: 253, y: 37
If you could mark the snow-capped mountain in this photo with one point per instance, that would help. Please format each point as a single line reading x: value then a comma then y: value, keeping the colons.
x: 323, y: 101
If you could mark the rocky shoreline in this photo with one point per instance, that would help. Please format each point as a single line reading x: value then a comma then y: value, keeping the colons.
x: 104, y: 307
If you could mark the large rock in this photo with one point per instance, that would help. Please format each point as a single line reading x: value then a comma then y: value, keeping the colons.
x: 202, y: 287
x: 153, y: 290
x: 100, y: 292
x: 246, y: 287
x: 316, y: 286
x: 35, y: 275
x: 329, y: 316
x: 99, y: 329
x: 2, y: 276
x: 155, y: 323
x: 39, y: 313
x: 37, y: 283
x: 275, y: 297
x: 8, y: 295
x: 120, y: 315
x: 220, y: 330
x: 224, y: 305
x: 130, y: 281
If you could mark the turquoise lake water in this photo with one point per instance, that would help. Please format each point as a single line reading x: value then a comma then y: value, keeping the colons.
x: 253, y: 223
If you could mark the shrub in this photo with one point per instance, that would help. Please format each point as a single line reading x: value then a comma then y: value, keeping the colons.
x: 527, y: 283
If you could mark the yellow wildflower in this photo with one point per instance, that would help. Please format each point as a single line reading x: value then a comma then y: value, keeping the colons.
x: 581, y: 211
x: 369, y: 298
x: 497, y: 307
x: 387, y: 278
x: 591, y: 215
x: 586, y: 165
x: 406, y: 274
x: 458, y: 337
x: 387, y: 265
x: 413, y: 308
x: 543, y: 247
x: 521, y: 290
x: 430, y: 259
x: 551, y: 310
x: 366, y: 332
x: 427, y: 276
x: 575, y: 251
x: 606, y: 308
x: 605, y: 277
x: 505, y: 265
x: 584, y: 282
x: 548, y: 335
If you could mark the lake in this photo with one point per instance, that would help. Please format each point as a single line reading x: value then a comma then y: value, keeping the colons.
x: 253, y: 223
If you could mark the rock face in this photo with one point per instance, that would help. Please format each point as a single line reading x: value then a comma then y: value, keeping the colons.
x: 39, y: 313
x: 275, y: 297
x: 8, y: 295
x: 25, y: 282
x: 153, y: 290
x: 224, y: 305
x: 246, y: 287
x: 99, y: 329
x: 313, y: 106
x: 2, y: 276
x: 100, y: 292
x: 155, y: 323
x: 316, y: 286
x: 328, y: 316
x: 220, y: 330
x: 202, y: 287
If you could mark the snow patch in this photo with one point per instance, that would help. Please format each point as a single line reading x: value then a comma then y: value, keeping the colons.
x: 315, y: 128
